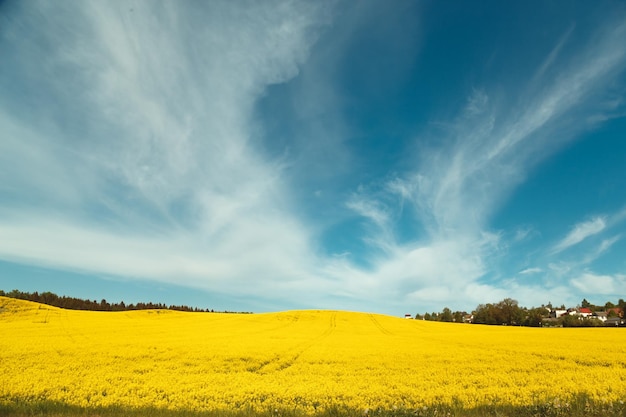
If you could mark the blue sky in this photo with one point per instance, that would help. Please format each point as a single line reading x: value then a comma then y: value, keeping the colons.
x: 395, y: 157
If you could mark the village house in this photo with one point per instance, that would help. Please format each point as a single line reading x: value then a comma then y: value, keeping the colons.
x: 611, y: 317
x: 557, y: 313
x: 615, y: 321
x: 584, y: 312
x: 600, y: 315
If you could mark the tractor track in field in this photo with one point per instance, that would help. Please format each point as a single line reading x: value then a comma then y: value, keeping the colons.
x: 288, y: 358
x: 379, y: 326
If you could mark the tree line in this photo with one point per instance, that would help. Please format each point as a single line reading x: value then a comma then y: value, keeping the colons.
x: 509, y: 312
x: 73, y: 303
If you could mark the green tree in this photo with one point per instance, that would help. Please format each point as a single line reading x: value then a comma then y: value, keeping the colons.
x: 486, y: 314
x: 510, y: 311
x: 458, y: 317
x: 446, y: 315
x: 534, y: 317
x: 570, y: 321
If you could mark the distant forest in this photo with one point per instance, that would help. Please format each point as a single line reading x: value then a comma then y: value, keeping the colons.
x: 74, y: 303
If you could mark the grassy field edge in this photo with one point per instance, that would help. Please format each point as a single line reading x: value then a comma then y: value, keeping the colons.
x: 578, y: 406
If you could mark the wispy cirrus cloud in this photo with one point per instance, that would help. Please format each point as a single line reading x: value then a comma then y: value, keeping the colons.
x: 135, y: 149
x: 580, y: 232
x: 151, y: 162
x: 588, y: 228
x: 604, y: 246
x: 488, y: 150
x: 534, y: 270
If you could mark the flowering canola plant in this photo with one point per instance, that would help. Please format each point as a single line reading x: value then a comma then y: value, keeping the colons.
x: 306, y: 361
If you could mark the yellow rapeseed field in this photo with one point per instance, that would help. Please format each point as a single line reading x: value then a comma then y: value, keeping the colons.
x: 305, y: 361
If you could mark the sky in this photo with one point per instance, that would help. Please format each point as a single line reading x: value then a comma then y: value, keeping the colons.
x: 391, y: 157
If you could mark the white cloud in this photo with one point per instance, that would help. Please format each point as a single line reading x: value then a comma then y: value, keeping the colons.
x: 604, y: 246
x: 402, y: 188
x: 618, y: 217
x: 456, y: 188
x: 559, y: 269
x: 162, y: 180
x: 580, y: 232
x: 591, y: 283
x: 250, y: 256
x: 531, y: 271
x: 476, y: 103
x: 370, y: 209
x: 491, y: 150
x: 147, y: 165
x: 552, y: 56
x: 523, y: 233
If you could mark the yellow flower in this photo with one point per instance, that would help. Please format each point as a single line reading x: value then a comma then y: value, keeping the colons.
x: 301, y: 360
